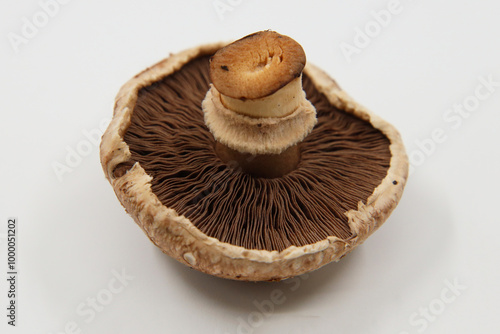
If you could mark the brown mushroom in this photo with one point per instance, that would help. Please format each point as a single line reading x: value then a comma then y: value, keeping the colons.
x: 267, y: 173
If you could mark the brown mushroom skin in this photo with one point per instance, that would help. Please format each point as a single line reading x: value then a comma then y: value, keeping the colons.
x: 257, y: 65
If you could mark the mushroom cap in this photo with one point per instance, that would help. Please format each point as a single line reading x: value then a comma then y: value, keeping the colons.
x: 177, y: 236
x: 251, y: 74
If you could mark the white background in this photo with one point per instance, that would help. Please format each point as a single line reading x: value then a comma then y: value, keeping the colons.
x: 74, y: 233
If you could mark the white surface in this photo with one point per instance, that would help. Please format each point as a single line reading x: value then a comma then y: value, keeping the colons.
x: 74, y: 233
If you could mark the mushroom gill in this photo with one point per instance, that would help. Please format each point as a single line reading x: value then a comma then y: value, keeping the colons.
x: 341, y: 162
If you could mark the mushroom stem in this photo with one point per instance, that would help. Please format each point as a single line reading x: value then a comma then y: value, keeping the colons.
x: 256, y: 107
x: 282, y: 103
x: 260, y: 165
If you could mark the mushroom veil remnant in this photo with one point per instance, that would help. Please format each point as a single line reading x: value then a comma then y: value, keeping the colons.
x: 242, y: 161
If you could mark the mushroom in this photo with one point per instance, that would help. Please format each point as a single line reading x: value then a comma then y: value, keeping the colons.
x: 243, y: 162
